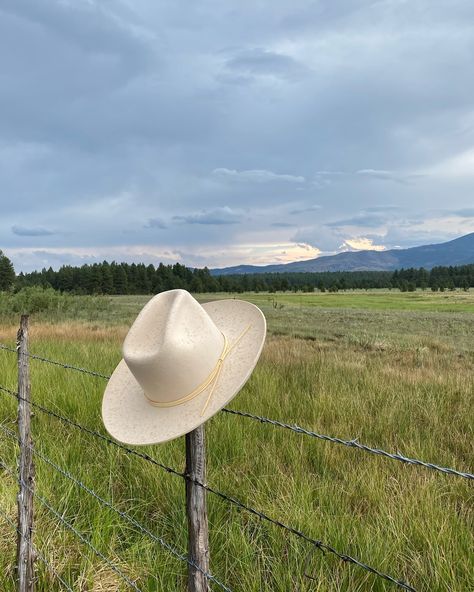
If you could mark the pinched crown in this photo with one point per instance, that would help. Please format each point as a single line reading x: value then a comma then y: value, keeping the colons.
x: 172, y: 346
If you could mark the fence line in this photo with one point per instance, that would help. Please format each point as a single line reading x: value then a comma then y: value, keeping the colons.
x: 38, y: 553
x: 315, y: 542
x: 354, y: 443
x: 56, y: 363
x: 70, y: 527
x: 123, y: 515
x: 261, y: 419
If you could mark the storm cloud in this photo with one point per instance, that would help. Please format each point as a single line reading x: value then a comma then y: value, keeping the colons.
x: 225, y: 133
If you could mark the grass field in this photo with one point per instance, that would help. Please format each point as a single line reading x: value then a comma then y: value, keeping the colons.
x: 393, y: 370
x: 456, y: 301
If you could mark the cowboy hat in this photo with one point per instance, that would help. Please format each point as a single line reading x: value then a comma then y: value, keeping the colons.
x: 182, y: 362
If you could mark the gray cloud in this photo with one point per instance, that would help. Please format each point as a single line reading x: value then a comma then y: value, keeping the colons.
x: 330, y: 173
x: 377, y: 174
x: 107, y: 107
x: 382, y: 209
x: 257, y: 176
x: 382, y: 175
x: 321, y: 237
x: 282, y: 225
x: 312, y: 208
x: 408, y: 236
x: 259, y: 61
x: 218, y: 216
x: 36, y: 231
x: 156, y: 223
x: 464, y: 213
x: 362, y: 220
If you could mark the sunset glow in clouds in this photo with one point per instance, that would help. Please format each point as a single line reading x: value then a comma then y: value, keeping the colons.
x: 228, y: 133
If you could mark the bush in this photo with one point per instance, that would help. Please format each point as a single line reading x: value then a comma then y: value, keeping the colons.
x: 37, y: 300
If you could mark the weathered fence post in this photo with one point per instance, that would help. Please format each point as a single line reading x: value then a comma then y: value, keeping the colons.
x: 196, y: 508
x: 25, y: 556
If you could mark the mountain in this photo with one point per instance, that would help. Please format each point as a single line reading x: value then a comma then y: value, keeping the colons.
x: 459, y: 251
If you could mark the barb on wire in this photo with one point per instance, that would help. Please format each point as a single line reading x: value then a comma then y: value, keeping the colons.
x: 56, y: 363
x: 70, y: 527
x: 316, y: 543
x: 91, y: 432
x: 39, y: 554
x: 123, y: 515
x: 398, y: 456
x: 352, y: 444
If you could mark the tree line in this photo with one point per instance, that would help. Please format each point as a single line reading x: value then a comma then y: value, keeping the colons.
x: 132, y: 278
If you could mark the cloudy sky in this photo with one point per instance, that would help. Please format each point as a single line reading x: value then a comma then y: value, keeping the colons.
x: 217, y: 133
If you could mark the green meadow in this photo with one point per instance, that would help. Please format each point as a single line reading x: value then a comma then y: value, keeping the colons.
x: 393, y: 370
x: 457, y: 301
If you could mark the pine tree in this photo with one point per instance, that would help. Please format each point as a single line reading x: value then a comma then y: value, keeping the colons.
x: 65, y: 278
x: 142, y: 283
x: 94, y: 279
x: 7, y: 273
x: 107, y: 279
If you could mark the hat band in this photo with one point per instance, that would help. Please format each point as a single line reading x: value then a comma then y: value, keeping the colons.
x: 211, y: 379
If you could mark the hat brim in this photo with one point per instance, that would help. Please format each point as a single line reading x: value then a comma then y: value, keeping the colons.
x: 130, y: 418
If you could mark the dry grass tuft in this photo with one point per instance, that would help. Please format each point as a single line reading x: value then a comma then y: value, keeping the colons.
x: 68, y: 331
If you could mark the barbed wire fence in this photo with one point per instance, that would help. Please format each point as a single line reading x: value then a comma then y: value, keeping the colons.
x: 314, y: 544
x: 354, y: 443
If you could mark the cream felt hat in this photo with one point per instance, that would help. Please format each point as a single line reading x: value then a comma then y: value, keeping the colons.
x: 182, y: 362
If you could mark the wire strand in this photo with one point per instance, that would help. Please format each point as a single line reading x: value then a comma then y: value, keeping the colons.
x: 56, y: 363
x: 352, y: 444
x: 123, y: 515
x: 292, y: 427
x: 398, y: 456
x: 316, y: 543
x: 70, y: 527
x: 38, y: 553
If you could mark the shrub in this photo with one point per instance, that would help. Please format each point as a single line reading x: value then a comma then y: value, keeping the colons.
x: 36, y: 300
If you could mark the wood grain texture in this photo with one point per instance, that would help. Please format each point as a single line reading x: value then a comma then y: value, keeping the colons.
x: 196, y: 508
x: 25, y: 554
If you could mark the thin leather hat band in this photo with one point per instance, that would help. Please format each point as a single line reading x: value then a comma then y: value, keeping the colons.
x: 211, y: 379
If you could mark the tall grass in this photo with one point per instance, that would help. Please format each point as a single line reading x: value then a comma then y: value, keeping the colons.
x: 391, y: 384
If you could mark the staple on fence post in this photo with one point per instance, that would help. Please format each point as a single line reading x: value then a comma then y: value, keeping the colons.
x: 196, y: 509
x: 25, y: 554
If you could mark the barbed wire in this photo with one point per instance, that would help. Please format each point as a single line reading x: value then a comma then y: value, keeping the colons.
x: 70, y: 527
x: 354, y: 443
x: 56, y: 363
x: 38, y: 553
x: 94, y: 433
x: 123, y: 515
x: 316, y: 543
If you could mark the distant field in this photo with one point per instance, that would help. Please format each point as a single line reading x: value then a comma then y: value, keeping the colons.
x: 398, y: 319
x: 457, y: 301
x: 393, y: 370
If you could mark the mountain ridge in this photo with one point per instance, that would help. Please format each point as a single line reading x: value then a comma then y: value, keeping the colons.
x: 459, y: 251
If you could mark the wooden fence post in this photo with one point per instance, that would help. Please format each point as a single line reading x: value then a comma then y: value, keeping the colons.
x: 196, y: 508
x: 25, y: 555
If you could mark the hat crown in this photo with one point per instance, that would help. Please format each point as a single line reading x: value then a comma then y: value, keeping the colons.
x: 172, y: 347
